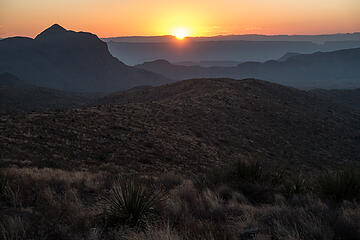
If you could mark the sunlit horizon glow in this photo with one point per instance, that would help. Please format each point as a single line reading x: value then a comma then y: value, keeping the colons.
x: 181, y: 32
x: 113, y: 18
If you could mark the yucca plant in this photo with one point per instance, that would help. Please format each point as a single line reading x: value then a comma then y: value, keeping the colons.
x: 339, y: 185
x: 130, y: 202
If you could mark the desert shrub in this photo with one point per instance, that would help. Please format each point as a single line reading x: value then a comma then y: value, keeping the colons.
x: 296, y: 185
x: 170, y: 180
x: 347, y: 224
x: 10, y: 192
x: 204, y: 230
x: 130, y: 201
x: 155, y: 233
x: 298, y: 223
x: 12, y: 228
x: 3, y: 183
x: 339, y: 185
x: 249, y: 171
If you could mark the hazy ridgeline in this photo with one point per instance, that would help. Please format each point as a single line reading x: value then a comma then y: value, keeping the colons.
x: 136, y: 50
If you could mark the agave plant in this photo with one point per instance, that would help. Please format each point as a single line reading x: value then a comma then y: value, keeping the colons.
x: 130, y: 201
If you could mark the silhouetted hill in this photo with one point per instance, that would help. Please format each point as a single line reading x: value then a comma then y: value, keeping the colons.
x: 187, y: 126
x: 16, y: 96
x: 329, y: 70
x: 72, y: 61
x: 287, y: 56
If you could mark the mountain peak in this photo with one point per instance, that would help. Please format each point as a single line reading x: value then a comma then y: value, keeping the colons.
x: 54, y: 29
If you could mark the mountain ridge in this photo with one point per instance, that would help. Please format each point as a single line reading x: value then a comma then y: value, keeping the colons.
x: 337, y: 69
x: 72, y: 61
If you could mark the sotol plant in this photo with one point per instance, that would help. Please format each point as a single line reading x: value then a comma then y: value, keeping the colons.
x: 130, y: 201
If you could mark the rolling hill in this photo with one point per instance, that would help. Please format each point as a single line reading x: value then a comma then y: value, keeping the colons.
x: 72, y: 61
x: 16, y: 96
x: 186, y: 127
x: 327, y: 70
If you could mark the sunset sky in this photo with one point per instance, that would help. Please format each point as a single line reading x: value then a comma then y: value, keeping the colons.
x: 108, y: 18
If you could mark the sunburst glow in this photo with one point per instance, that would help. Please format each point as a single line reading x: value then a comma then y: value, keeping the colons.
x: 180, y: 33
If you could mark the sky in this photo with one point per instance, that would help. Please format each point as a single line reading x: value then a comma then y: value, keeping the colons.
x: 111, y: 18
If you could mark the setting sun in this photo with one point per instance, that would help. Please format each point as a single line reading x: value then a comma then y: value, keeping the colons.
x: 180, y: 33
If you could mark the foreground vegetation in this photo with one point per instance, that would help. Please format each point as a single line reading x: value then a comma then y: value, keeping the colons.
x: 243, y: 201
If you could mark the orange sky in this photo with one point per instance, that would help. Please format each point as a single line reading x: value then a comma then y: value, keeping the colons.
x: 160, y: 17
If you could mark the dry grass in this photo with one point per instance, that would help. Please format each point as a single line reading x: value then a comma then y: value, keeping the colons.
x: 58, y: 204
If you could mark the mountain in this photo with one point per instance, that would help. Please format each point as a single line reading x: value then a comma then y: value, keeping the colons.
x: 328, y: 70
x: 287, y: 56
x: 187, y: 126
x: 72, y: 61
x: 209, y: 63
x: 136, y: 50
x: 196, y: 51
x: 340, y: 37
x: 16, y: 96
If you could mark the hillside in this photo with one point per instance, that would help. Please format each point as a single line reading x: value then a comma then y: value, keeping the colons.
x: 16, y: 96
x: 349, y: 97
x: 72, y: 61
x: 328, y: 70
x: 186, y: 126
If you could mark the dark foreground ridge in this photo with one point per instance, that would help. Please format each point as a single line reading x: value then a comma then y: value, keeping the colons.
x: 187, y: 126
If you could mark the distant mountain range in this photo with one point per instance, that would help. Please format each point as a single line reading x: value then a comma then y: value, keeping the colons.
x: 72, y: 61
x: 16, y: 96
x: 188, y: 126
x: 245, y: 37
x: 136, y: 50
x: 329, y: 70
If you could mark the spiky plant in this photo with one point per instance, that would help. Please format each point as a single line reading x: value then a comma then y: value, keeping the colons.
x: 130, y: 202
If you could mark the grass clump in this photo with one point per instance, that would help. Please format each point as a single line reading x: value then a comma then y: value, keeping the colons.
x: 339, y: 185
x: 249, y: 171
x: 3, y: 183
x: 295, y: 186
x: 130, y: 202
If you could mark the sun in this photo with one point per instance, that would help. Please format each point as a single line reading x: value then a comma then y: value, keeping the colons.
x: 180, y: 33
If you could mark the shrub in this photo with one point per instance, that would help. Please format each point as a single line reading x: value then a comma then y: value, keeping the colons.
x: 130, y: 202
x: 347, y: 225
x: 294, y: 186
x: 12, y: 228
x: 3, y: 183
x: 249, y: 171
x: 170, y: 180
x: 340, y: 185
